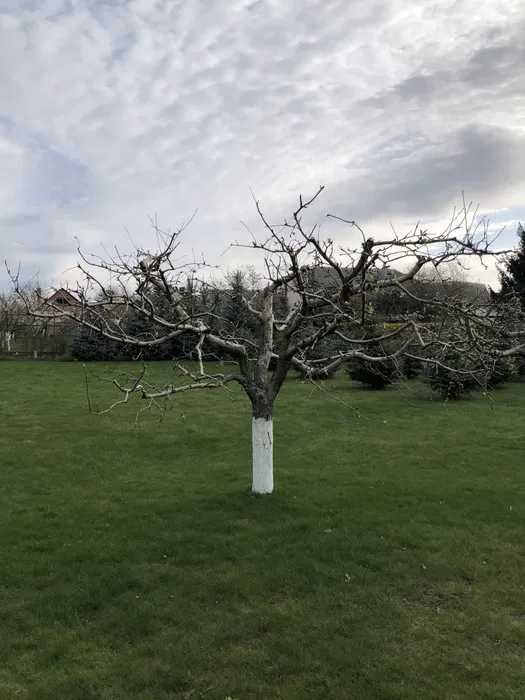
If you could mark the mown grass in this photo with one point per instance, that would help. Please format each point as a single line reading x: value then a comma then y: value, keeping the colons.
x: 134, y: 563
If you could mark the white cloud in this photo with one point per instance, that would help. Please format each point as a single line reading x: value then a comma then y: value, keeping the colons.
x: 113, y: 111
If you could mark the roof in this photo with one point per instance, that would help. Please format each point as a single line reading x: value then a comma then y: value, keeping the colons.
x: 63, y: 296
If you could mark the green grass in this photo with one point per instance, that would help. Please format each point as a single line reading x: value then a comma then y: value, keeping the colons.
x: 134, y: 563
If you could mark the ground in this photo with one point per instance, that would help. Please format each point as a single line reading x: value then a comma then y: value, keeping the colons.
x: 136, y: 565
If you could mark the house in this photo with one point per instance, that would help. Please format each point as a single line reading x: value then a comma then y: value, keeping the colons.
x: 63, y: 299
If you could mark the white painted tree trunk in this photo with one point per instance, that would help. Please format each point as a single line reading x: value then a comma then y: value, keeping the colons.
x: 262, y: 455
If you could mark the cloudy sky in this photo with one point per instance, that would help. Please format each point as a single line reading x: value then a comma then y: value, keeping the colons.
x: 112, y: 111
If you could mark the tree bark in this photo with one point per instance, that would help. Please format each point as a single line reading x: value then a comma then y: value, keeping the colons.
x: 262, y: 455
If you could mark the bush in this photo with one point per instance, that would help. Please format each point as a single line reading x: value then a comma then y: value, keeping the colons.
x: 376, y: 375
x: 90, y: 347
x: 505, y: 369
x: 456, y: 376
x: 411, y: 367
x: 520, y: 365
x: 451, y: 386
x: 463, y: 375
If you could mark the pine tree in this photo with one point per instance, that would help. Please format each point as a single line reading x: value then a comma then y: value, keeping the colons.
x: 376, y: 375
x: 512, y: 278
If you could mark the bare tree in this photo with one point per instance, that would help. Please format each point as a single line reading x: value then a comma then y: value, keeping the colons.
x: 14, y: 319
x: 11, y: 313
x: 326, y: 288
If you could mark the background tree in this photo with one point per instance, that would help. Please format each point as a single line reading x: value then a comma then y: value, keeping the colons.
x: 15, y: 322
x: 512, y: 279
x: 327, y: 288
x: 235, y: 314
x: 377, y: 374
x: 12, y: 313
x: 512, y: 273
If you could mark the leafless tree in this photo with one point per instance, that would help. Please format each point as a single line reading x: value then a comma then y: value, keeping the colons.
x: 327, y: 288
x: 14, y: 319
x: 11, y: 311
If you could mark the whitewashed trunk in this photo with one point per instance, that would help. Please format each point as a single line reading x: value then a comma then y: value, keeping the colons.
x: 262, y: 455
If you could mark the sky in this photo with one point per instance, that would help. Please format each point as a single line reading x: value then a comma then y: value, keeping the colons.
x: 116, y: 111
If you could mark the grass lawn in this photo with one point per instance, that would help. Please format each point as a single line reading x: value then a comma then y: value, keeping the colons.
x: 390, y: 563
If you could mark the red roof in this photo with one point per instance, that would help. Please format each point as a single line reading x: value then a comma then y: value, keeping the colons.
x: 63, y: 296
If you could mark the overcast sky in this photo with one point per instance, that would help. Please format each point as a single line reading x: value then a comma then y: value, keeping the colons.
x: 112, y: 111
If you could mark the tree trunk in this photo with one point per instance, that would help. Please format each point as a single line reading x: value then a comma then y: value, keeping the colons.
x: 262, y: 402
x: 262, y: 455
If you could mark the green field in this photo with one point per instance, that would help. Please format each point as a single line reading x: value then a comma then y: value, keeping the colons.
x: 390, y: 563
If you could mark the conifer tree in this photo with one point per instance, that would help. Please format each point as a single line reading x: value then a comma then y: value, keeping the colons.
x: 512, y: 276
